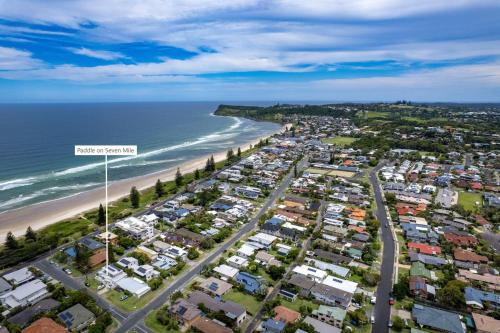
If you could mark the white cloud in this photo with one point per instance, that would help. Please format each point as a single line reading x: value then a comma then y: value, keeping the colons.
x: 99, y: 54
x: 17, y: 60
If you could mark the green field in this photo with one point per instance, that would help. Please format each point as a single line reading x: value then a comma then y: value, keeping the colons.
x: 340, y: 140
x: 132, y: 303
x: 249, y: 302
x: 468, y: 200
x: 375, y: 114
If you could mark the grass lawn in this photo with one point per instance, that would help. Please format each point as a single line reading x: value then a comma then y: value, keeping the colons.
x: 250, y: 303
x: 375, y: 114
x: 298, y: 303
x: 468, y: 200
x: 154, y: 325
x: 340, y: 140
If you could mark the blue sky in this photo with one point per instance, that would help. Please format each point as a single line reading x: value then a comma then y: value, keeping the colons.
x: 276, y: 50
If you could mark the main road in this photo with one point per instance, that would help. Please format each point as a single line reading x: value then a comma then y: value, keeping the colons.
x: 382, y: 307
x: 136, y: 318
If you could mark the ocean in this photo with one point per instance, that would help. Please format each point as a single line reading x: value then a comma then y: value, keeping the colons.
x: 37, y: 161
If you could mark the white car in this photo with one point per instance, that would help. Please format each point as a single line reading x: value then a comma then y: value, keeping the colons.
x: 374, y: 299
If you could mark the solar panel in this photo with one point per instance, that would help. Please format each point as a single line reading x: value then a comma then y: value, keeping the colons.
x: 213, y: 286
x: 182, y: 310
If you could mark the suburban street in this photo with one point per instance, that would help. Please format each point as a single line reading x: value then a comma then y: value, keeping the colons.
x: 382, y: 307
x: 136, y: 318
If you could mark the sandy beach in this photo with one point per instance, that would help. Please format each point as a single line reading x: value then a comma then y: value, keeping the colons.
x: 45, y: 213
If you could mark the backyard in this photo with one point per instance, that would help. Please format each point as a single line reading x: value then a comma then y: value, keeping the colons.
x: 469, y: 199
x: 340, y: 140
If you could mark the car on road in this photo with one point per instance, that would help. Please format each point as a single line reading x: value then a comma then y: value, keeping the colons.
x: 389, y: 324
x: 100, y: 287
x: 373, y: 299
x: 67, y: 271
x: 391, y: 300
x: 373, y: 319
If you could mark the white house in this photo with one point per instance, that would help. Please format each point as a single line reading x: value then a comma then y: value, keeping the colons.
x: 25, y: 294
x: 226, y: 272
x: 264, y: 239
x: 19, y: 277
x: 315, y: 274
x: 237, y: 262
x: 246, y: 250
x: 110, y: 277
x: 134, y: 286
x: 146, y: 272
x: 136, y: 228
x: 128, y: 262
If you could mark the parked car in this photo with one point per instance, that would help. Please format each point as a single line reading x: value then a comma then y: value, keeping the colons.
x: 67, y: 271
x: 374, y: 299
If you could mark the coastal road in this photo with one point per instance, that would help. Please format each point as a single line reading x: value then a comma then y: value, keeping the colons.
x: 382, y: 307
x: 135, y: 319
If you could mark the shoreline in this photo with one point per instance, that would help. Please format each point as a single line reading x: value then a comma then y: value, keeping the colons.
x: 45, y: 213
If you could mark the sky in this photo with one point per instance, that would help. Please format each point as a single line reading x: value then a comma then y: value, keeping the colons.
x: 261, y: 50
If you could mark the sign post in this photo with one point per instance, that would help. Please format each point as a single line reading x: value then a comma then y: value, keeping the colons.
x: 98, y: 150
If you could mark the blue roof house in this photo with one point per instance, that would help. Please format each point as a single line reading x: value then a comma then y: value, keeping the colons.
x: 273, y: 326
x: 475, y: 298
x: 252, y: 284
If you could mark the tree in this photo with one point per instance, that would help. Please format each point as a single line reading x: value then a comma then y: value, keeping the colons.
x: 276, y: 272
x: 159, y: 188
x: 208, y: 166
x: 82, y: 256
x: 230, y: 155
x: 401, y: 289
x: 452, y: 295
x: 30, y: 235
x: 135, y: 197
x: 295, y: 171
x: 212, y: 162
x: 239, y: 152
x: 178, y: 178
x: 196, y: 174
x: 101, y: 215
x: 332, y: 158
x: 11, y: 241
x: 390, y: 198
x: 397, y: 323
x: 192, y: 253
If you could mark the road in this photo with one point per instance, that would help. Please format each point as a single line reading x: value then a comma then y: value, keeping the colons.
x: 276, y: 288
x: 382, y: 307
x: 136, y: 318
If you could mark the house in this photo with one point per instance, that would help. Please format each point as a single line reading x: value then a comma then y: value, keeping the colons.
x: 128, y: 263
x: 295, y: 202
x: 303, y: 283
x: 4, y: 286
x: 331, y: 296
x: 285, y: 314
x: 109, y: 236
x: 152, y: 255
x: 45, y: 325
x: 19, y: 277
x: 459, y: 238
x: 419, y: 269
x: 476, y: 298
x: 468, y: 259
x: 160, y: 247
x: 273, y: 225
x: 321, y: 327
x: 226, y: 272
x: 231, y: 310
x: 215, y: 287
x: 147, y: 272
x: 266, y: 259
x: 136, y: 228
x: 77, y: 318
x: 184, y: 312
x: 22, y: 318
x: 237, y: 261
x: 265, y: 239
x: 248, y: 192
x: 205, y: 325
x: 134, y: 286
x: 419, y: 288
x: 424, y: 248
x: 283, y: 249
x: 485, y: 324
x: 164, y: 263
x: 246, y: 250
x: 333, y: 257
x: 438, y: 319
x: 251, y: 283
x: 326, y: 266
x: 273, y: 326
x: 176, y: 253
x: 97, y: 251
x: 330, y: 314
x: 314, y: 274
x: 492, y: 281
x: 110, y: 276
x: 426, y: 259
x: 25, y: 294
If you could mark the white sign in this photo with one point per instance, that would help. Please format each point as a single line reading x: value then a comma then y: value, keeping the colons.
x: 98, y: 150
